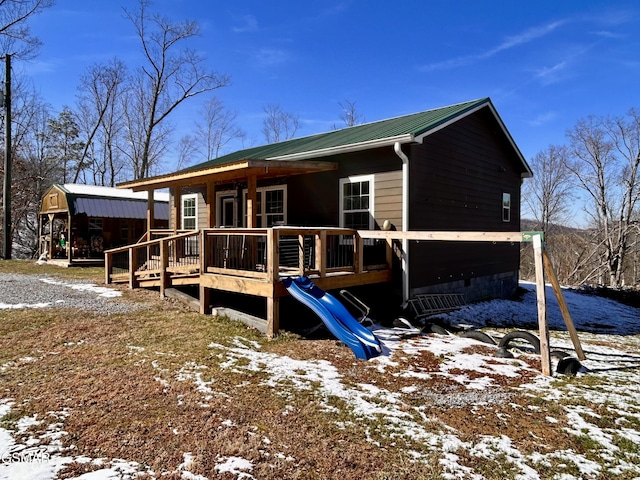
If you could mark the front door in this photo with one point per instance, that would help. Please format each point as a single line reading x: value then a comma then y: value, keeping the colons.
x: 228, y: 212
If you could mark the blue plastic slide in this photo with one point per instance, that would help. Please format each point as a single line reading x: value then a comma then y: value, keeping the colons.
x: 335, y: 316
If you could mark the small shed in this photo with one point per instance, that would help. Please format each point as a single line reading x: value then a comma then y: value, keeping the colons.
x: 81, y: 221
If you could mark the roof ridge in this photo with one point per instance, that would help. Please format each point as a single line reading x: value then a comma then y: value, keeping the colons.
x: 361, y: 134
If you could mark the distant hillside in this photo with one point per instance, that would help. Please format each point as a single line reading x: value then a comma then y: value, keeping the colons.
x: 531, y: 225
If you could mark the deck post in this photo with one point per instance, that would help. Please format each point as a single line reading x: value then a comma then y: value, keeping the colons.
x: 252, y: 200
x: 107, y: 268
x: 389, y: 252
x: 205, y: 260
x: 545, y: 354
x: 211, y: 204
x: 133, y: 266
x: 358, y: 259
x: 321, y: 258
x: 273, y: 260
x: 151, y: 214
x: 177, y: 195
x: 273, y: 268
x: 273, y: 315
x: 164, y: 262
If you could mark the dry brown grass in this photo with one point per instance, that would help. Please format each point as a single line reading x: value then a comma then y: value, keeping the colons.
x: 118, y: 379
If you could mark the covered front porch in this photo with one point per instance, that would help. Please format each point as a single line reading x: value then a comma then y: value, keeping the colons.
x: 252, y: 253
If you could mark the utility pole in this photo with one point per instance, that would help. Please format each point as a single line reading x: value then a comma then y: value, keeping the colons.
x: 6, y: 199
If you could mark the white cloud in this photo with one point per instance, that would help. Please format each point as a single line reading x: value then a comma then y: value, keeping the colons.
x: 249, y: 23
x: 513, y: 41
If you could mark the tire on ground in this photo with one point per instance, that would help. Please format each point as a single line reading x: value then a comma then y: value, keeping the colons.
x: 433, y: 328
x: 480, y: 336
x: 520, y: 335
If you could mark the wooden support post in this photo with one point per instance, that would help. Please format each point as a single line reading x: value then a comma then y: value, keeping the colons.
x: 205, y: 261
x: 133, y: 266
x: 68, y: 242
x: 389, y: 252
x: 151, y: 214
x: 108, y: 260
x: 358, y: 249
x: 252, y: 196
x: 545, y: 352
x: 273, y: 315
x: 272, y: 254
x: 321, y: 258
x: 563, y: 305
x: 211, y: 205
x: 177, y: 204
x: 164, y: 262
x: 205, y: 300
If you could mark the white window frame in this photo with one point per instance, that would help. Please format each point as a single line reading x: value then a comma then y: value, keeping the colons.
x: 506, y: 207
x: 371, y: 209
x: 263, y: 214
x: 183, y: 200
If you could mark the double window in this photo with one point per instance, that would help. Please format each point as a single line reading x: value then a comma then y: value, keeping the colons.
x: 357, y: 202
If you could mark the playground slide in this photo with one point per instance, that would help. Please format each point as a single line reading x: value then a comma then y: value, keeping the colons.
x: 335, y: 316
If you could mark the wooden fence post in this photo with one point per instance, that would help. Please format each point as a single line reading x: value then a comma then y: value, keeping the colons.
x: 545, y: 353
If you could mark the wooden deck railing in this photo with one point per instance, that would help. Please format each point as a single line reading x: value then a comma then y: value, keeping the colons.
x: 261, y: 254
x: 152, y: 261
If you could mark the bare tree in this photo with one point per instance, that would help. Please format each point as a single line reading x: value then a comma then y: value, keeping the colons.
x: 170, y: 76
x: 279, y: 125
x: 34, y: 166
x: 216, y: 129
x: 15, y: 35
x: 606, y: 165
x: 548, y: 194
x: 187, y: 151
x: 99, y: 118
x: 350, y: 115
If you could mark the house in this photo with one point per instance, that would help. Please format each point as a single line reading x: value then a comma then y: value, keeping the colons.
x: 305, y: 205
x: 82, y: 221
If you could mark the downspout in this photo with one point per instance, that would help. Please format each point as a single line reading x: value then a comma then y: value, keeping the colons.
x: 405, y: 221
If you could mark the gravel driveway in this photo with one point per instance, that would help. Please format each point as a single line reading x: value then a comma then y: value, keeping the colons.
x: 43, y: 291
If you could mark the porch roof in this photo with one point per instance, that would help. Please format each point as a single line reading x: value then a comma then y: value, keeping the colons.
x: 232, y: 171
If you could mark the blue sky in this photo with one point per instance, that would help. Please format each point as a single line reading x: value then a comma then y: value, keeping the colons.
x: 544, y: 64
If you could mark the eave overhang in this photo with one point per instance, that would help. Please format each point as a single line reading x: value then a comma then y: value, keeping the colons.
x: 229, y: 172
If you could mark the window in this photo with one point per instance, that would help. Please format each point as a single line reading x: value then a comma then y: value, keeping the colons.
x: 356, y: 202
x: 95, y: 226
x: 506, y: 207
x: 190, y: 212
x: 271, y: 206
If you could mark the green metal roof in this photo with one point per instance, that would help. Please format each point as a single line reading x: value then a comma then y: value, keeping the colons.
x: 405, y: 128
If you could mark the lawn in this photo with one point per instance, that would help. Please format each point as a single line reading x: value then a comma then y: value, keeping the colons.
x: 163, y: 392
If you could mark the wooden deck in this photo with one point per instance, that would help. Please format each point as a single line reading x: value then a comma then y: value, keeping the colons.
x: 250, y: 261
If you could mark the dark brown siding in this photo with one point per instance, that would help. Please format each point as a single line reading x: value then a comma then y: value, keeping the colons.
x: 457, y: 177
x: 313, y: 200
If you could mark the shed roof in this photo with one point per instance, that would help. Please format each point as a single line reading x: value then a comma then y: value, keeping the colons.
x: 116, y: 208
x: 110, y: 192
x: 108, y: 202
